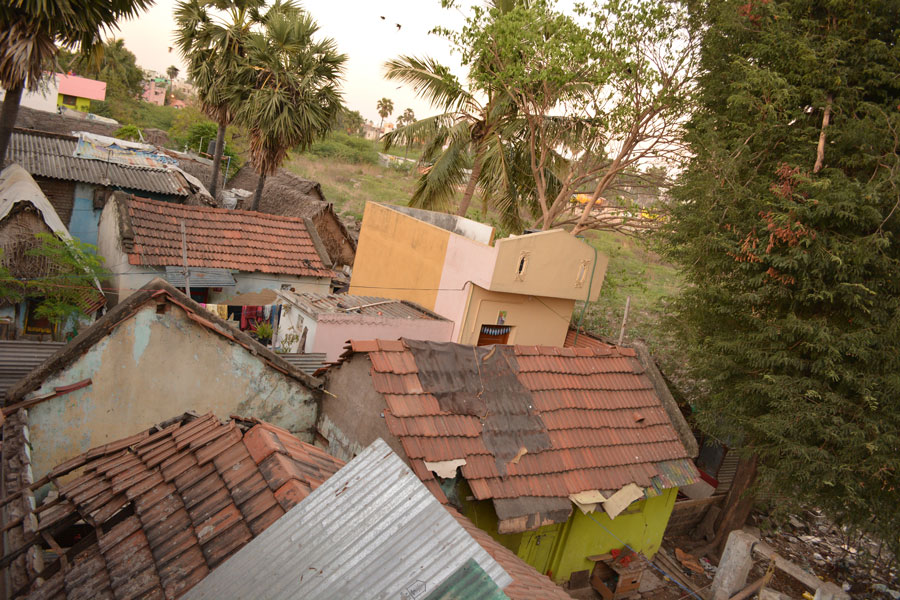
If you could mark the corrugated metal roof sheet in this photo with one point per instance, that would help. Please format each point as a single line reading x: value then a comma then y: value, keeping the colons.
x: 317, y: 304
x: 200, y: 277
x: 18, y: 358
x: 308, y: 362
x: 52, y: 155
x: 469, y: 582
x: 371, y: 531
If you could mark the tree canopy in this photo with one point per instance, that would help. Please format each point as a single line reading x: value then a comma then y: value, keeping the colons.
x: 785, y: 224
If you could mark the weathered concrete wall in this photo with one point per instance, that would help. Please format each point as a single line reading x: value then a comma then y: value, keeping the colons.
x: 153, y: 367
x: 398, y: 257
x: 556, y: 264
x: 334, y: 331
x: 534, y: 320
x: 351, y: 414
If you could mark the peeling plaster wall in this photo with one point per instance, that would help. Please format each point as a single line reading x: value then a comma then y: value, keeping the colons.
x: 153, y: 367
x: 351, y: 415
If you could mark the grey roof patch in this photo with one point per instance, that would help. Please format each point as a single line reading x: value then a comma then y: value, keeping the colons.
x: 315, y: 304
x: 200, y: 277
x: 372, y: 530
x: 52, y: 155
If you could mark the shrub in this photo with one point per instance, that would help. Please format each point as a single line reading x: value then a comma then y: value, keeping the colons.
x: 129, y: 132
x: 346, y: 148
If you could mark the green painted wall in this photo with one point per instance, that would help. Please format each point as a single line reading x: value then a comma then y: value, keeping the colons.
x: 561, y: 549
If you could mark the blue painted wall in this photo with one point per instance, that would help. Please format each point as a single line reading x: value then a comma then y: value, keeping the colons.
x: 85, y: 220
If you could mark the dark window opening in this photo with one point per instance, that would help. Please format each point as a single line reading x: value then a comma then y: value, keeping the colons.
x: 493, y: 334
x: 69, y: 100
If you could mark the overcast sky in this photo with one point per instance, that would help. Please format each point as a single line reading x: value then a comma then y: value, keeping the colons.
x: 360, y: 33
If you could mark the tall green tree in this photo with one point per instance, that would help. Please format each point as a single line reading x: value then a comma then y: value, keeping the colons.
x: 786, y: 225
x: 32, y: 30
x: 211, y: 35
x: 607, y: 88
x: 292, y: 81
x: 385, y: 107
x: 172, y: 72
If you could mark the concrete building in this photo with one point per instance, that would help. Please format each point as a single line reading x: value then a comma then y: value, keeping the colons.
x: 155, y: 92
x: 156, y: 354
x: 324, y: 323
x: 560, y: 454
x: 77, y: 92
x: 229, y: 252
x: 517, y: 290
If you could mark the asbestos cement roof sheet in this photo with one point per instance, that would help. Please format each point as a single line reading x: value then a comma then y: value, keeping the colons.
x: 18, y: 358
x: 52, y: 155
x: 570, y: 420
x: 371, y: 531
x: 200, y: 277
x: 371, y: 306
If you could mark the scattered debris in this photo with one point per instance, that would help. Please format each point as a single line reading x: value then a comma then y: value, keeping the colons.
x: 689, y: 561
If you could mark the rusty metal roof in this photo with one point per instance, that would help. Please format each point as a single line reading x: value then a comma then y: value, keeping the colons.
x: 318, y: 304
x: 606, y: 424
x: 166, y: 507
x: 53, y: 155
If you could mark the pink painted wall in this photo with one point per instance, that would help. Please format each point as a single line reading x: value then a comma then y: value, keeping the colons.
x: 334, y: 331
x: 466, y: 261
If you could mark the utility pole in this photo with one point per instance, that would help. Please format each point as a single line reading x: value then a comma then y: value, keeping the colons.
x: 187, y: 278
x: 624, y: 318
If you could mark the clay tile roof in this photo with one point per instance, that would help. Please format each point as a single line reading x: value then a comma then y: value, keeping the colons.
x: 220, y: 238
x: 165, y: 507
x: 590, y: 420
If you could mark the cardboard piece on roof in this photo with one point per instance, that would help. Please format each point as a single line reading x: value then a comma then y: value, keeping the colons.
x: 445, y: 469
x: 587, y: 501
x: 622, y: 499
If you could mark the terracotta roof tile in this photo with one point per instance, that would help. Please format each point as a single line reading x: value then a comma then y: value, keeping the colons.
x: 221, y: 238
x: 195, y: 495
x: 606, y: 425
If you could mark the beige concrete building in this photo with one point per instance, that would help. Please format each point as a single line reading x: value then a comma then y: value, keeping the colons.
x: 516, y: 290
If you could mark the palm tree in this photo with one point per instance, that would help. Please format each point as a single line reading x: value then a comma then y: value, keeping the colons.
x: 467, y: 129
x: 173, y: 72
x: 385, y: 108
x: 31, y: 30
x: 293, y: 82
x: 407, y: 118
x: 212, y: 43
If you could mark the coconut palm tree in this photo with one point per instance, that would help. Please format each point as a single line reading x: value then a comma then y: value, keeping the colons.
x: 293, y: 94
x: 467, y: 131
x: 210, y: 34
x: 173, y: 72
x: 385, y: 108
x: 31, y: 32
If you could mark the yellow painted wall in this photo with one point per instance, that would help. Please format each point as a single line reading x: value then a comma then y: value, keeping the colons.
x: 561, y: 549
x: 534, y: 320
x: 557, y: 265
x: 82, y: 104
x: 398, y: 257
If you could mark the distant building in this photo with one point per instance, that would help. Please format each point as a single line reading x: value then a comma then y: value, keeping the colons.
x: 155, y: 92
x: 77, y: 92
x: 517, y: 290
x: 59, y: 90
x: 370, y: 132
